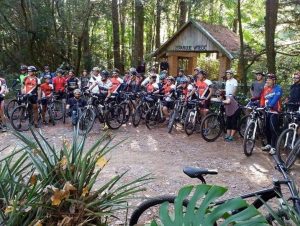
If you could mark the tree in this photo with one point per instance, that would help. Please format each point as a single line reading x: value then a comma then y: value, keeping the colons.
x: 116, y: 33
x: 158, y: 18
x: 270, y: 27
x: 138, y: 33
x: 182, y: 13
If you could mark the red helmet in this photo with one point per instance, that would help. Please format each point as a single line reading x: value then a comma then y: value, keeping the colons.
x: 271, y: 76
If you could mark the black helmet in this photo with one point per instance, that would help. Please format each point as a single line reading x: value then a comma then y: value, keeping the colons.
x: 31, y: 69
x: 271, y: 76
x: 23, y: 68
x: 260, y: 73
x: 59, y: 71
x: 104, y: 74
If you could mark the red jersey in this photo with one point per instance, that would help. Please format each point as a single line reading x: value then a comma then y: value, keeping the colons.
x: 59, y: 84
x: 115, y: 84
x: 46, y: 89
x: 151, y: 87
x: 203, y: 87
x: 31, y: 84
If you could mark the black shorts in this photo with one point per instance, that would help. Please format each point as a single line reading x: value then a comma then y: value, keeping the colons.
x: 168, y: 104
x: 33, y: 99
x: 232, y: 121
x: 44, y: 101
x: 1, y: 98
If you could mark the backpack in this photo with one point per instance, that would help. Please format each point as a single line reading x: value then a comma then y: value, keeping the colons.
x: 3, y: 84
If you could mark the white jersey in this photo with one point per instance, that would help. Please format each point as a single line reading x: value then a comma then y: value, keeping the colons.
x: 231, y: 85
x: 94, y: 80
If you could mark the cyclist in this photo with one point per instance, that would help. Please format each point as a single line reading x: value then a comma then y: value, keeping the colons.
x: 23, y: 74
x: 169, y: 91
x: 116, y: 81
x: 59, y: 83
x: 231, y: 83
x: 84, y: 79
x: 270, y: 99
x: 162, y: 82
x: 32, y: 88
x: 46, y: 89
x: 47, y: 73
x: 152, y: 86
x: 3, y: 90
x: 294, y: 95
x: 185, y: 89
x: 180, y: 76
x: 257, y: 87
x: 73, y: 104
x: 151, y: 73
x: 133, y: 84
x: 95, y: 78
x: 72, y: 83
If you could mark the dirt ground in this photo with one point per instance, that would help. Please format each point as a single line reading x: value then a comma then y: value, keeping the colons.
x: 164, y: 156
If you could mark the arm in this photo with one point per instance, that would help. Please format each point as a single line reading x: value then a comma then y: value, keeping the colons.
x: 275, y: 99
x: 227, y: 100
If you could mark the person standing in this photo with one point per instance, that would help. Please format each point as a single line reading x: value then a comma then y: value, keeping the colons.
x: 231, y: 84
x: 257, y: 86
x: 294, y: 96
x: 164, y: 65
x: 270, y: 99
x: 94, y: 80
x: 116, y: 81
x: 3, y: 91
x: 46, y: 89
x: 84, y: 79
x: 59, y: 83
x: 72, y: 83
x: 47, y: 73
x: 180, y: 77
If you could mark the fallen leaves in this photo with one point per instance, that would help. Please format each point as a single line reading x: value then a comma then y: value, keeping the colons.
x: 59, y: 195
x: 8, y: 209
x: 101, y: 162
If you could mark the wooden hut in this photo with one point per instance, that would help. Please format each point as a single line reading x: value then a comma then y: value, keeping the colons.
x: 196, y: 37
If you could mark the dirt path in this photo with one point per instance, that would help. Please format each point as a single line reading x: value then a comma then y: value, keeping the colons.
x: 164, y: 155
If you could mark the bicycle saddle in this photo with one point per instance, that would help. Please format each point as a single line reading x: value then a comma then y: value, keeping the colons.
x: 195, y: 172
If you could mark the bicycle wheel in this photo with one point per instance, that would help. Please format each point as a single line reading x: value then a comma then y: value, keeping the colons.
x: 211, y: 127
x: 137, y: 116
x: 294, y: 154
x: 285, y: 144
x: 249, y: 138
x: 51, y: 116
x: 243, y: 125
x: 86, y: 121
x: 58, y: 109
x: 172, y: 121
x: 10, y: 106
x: 149, y: 210
x: 127, y: 112
x: 20, y: 119
x: 152, y: 117
x: 190, y: 122
x: 114, y: 116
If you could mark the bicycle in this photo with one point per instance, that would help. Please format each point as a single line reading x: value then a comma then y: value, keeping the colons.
x: 127, y: 103
x: 193, y: 117
x: 292, y: 156
x: 55, y: 109
x: 146, y: 102
x: 154, y: 115
x: 261, y: 196
x: 12, y: 104
x: 178, y: 114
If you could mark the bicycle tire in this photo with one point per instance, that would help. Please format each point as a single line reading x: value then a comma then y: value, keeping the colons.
x: 284, y: 145
x: 10, y: 106
x: 213, y: 125
x: 86, y: 121
x: 127, y: 112
x: 136, y: 116
x: 20, y: 114
x: 58, y: 109
x: 291, y: 159
x: 156, y: 201
x: 243, y: 125
x: 189, y: 127
x: 172, y: 121
x: 151, y: 118
x: 248, y: 138
x: 114, y: 114
x: 51, y: 116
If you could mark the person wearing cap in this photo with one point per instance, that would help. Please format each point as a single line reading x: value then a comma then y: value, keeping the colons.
x: 257, y: 86
x: 73, y: 103
x: 151, y: 73
x: 59, y: 83
x: 32, y: 87
x: 116, y: 81
x: 180, y: 76
x: 84, y: 79
x: 294, y: 94
x: 231, y: 84
x: 94, y: 80
x: 270, y: 99
x: 23, y: 74
x: 46, y: 89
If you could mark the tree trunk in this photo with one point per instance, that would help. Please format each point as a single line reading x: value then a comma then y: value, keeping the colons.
x: 132, y: 31
x: 270, y: 27
x: 138, y: 33
x: 116, y: 33
x: 122, y: 25
x: 242, y: 56
x: 157, y: 32
x: 183, y: 12
x: 87, y: 56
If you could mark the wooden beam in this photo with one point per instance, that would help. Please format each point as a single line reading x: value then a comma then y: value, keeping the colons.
x: 173, y: 65
x: 224, y: 65
x: 191, y: 65
x: 182, y: 54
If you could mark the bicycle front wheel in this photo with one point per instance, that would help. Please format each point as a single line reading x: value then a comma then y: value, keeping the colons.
x: 58, y: 109
x: 211, y: 127
x: 10, y: 106
x: 249, y: 138
x: 190, y: 122
x: 149, y: 210
x: 293, y: 155
x: 20, y: 119
x: 86, y: 121
x: 115, y: 117
x: 243, y: 125
x: 152, y: 117
x: 285, y: 144
x: 172, y: 121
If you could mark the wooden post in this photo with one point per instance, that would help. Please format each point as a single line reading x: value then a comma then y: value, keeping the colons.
x: 173, y: 65
x: 224, y: 65
x: 191, y: 65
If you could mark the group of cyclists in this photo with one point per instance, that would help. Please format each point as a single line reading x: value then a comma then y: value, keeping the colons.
x: 265, y: 92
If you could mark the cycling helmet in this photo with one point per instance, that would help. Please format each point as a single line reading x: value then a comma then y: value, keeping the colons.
x: 171, y: 78
x: 259, y: 73
x: 96, y: 69
x: 229, y: 72
x: 77, y: 91
x: 203, y: 73
x: 184, y: 80
x: 47, y: 77
x: 271, y: 76
x: 162, y: 76
x: 31, y: 69
x: 104, y: 74
x: 198, y: 69
x: 23, y: 68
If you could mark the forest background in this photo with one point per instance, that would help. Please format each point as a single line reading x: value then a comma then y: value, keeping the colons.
x: 120, y: 33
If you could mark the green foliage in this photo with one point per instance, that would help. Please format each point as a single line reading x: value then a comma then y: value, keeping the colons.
x: 39, y: 184
x: 201, y: 211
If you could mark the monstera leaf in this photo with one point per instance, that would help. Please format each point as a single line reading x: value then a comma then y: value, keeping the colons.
x: 201, y: 210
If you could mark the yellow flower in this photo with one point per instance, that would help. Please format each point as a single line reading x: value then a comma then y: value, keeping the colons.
x: 101, y: 162
x: 85, y: 191
x: 8, y: 209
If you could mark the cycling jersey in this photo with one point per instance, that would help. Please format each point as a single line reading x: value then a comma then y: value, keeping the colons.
x: 31, y: 84
x: 72, y: 84
x: 168, y: 88
x: 59, y: 84
x: 46, y: 89
x: 84, y: 81
x: 21, y: 78
x: 203, y: 87
x: 294, y: 96
x: 270, y: 97
x: 116, y: 82
x: 151, y: 87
